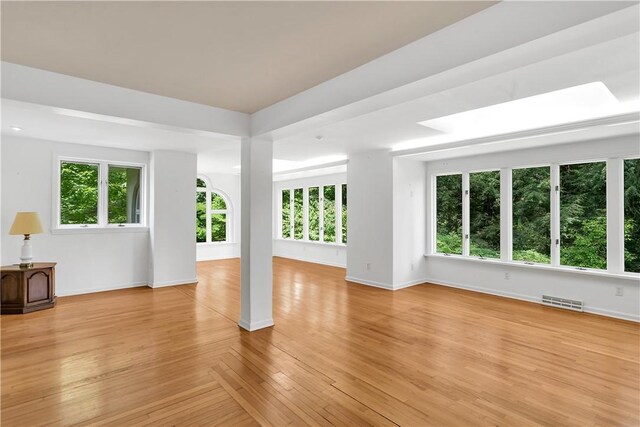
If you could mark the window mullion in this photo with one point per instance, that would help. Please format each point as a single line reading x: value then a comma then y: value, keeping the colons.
x: 555, y: 214
x: 506, y: 214
x: 615, y: 215
x: 292, y: 213
x: 465, y: 214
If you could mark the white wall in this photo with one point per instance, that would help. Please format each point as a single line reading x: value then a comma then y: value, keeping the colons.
x: 172, y: 218
x: 229, y: 184
x: 87, y: 261
x: 528, y: 282
x: 316, y: 252
x: 370, y: 220
x: 409, y: 191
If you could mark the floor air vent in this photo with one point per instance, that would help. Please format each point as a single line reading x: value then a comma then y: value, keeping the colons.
x: 569, y: 304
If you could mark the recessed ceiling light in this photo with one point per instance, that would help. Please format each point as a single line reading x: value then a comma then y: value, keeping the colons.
x: 319, y: 138
x: 16, y: 128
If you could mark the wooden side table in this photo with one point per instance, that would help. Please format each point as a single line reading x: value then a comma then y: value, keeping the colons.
x: 24, y: 290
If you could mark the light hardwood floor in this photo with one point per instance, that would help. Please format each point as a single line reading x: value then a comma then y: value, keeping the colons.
x: 340, y: 353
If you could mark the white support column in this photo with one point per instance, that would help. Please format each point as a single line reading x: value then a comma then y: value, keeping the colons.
x: 555, y: 215
x: 506, y: 215
x: 465, y: 214
x: 256, y: 293
x: 615, y: 215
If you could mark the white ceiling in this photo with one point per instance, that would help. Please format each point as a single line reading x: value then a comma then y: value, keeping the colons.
x: 615, y: 63
x: 241, y: 56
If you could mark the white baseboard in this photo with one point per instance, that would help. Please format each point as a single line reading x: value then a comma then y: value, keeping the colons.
x: 528, y: 298
x: 408, y: 284
x: 373, y: 283
x: 173, y: 283
x: 386, y: 286
x: 65, y: 293
x: 254, y: 326
x: 312, y: 260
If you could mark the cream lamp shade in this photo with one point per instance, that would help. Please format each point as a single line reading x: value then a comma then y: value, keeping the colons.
x: 26, y: 223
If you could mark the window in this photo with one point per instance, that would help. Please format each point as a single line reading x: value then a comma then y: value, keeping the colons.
x: 124, y: 195
x: 344, y: 213
x: 315, y: 214
x: 449, y: 214
x: 79, y: 192
x: 286, y: 214
x: 329, y: 213
x: 532, y: 215
x: 218, y: 218
x: 212, y: 214
x: 99, y: 194
x: 298, y: 214
x: 583, y: 215
x: 484, y: 214
x: 632, y: 215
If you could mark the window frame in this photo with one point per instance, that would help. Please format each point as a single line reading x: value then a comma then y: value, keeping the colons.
x: 102, y: 223
x: 305, y: 211
x: 208, y: 189
x: 615, y: 206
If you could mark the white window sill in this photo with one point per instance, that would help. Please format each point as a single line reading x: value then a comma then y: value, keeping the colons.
x: 313, y: 242
x: 100, y: 230
x: 635, y: 277
x: 214, y: 243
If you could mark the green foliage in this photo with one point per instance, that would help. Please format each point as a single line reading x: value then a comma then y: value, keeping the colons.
x: 117, y: 195
x: 78, y: 193
x: 632, y: 215
x: 217, y: 202
x: 298, y: 214
x: 286, y: 214
x: 329, y: 213
x: 530, y: 255
x: 484, y: 210
x: 201, y: 216
x: 449, y: 213
x: 449, y: 243
x: 344, y: 213
x: 583, y: 216
x: 532, y: 214
x: 314, y: 215
x: 218, y: 227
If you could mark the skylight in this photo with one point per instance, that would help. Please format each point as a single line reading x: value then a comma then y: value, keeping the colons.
x: 577, y: 103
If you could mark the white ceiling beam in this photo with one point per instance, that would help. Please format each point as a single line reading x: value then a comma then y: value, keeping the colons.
x: 99, y: 101
x: 479, y: 46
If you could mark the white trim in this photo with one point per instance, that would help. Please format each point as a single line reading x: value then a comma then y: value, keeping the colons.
x: 369, y: 283
x: 615, y: 215
x: 313, y: 242
x: 527, y: 298
x: 99, y: 230
x: 408, y: 284
x: 555, y: 214
x: 173, y: 283
x: 506, y: 214
x: 635, y: 277
x: 254, y: 326
x: 84, y: 291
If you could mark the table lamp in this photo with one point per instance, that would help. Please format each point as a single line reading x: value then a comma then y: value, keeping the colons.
x: 26, y: 223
